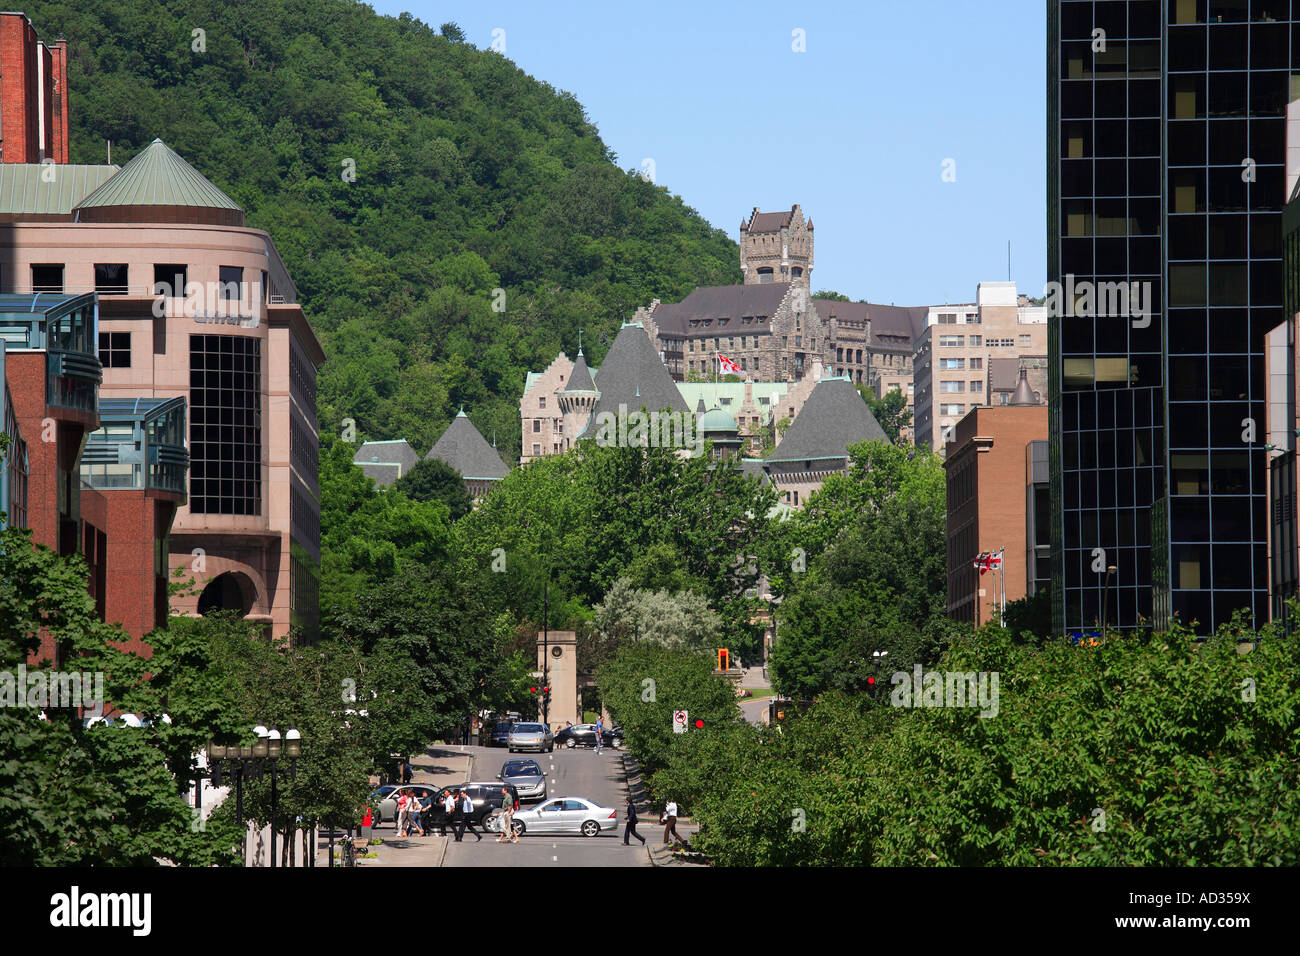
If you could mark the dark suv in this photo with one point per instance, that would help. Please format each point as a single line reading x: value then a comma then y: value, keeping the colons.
x: 487, y: 797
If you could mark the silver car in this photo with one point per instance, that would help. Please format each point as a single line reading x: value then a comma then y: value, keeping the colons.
x: 526, y: 777
x: 525, y: 736
x: 567, y: 815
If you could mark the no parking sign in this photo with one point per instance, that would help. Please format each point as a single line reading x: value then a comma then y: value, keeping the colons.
x: 679, y: 721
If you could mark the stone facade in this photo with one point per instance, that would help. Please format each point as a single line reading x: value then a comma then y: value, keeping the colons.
x: 544, y: 425
x: 777, y: 247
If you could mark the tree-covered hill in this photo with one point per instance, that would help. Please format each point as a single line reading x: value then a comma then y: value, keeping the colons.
x: 469, y: 176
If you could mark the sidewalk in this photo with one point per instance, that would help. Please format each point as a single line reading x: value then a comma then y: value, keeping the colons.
x: 439, y: 766
x: 660, y: 853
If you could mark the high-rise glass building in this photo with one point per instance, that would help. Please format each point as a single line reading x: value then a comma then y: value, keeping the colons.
x: 1166, y: 152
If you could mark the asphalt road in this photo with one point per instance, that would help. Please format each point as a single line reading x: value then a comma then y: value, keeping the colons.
x: 569, y: 773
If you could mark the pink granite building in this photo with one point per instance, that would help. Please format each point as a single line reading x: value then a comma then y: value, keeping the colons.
x: 193, y: 304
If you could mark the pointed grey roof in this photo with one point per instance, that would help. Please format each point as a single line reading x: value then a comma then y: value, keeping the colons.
x: 580, y: 380
x: 385, y: 461
x: 158, y: 177
x: 634, y: 375
x: 464, y: 448
x: 834, y: 417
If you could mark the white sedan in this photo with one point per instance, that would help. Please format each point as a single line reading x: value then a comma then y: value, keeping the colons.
x: 567, y: 815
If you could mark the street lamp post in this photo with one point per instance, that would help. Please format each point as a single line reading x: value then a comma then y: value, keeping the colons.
x: 270, y: 746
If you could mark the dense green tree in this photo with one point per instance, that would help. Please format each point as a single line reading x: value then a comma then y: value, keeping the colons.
x: 681, y: 620
x: 432, y: 479
x: 890, y: 411
x: 1030, y: 618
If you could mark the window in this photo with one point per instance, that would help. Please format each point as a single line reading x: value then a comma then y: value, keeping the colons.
x: 859, y: 359
x: 169, y: 280
x: 952, y: 341
x: 115, y: 349
x: 952, y: 363
x: 232, y: 283
x: 1025, y: 341
x: 976, y: 340
x: 537, y: 426
x: 225, y: 425
x: 972, y: 318
x: 947, y: 318
x: 765, y: 275
x: 541, y: 402
x: 1001, y: 343
x: 537, y: 451
x: 952, y: 409
x: 110, y: 278
x: 47, y: 278
x: 976, y: 363
x: 839, y: 355
x: 976, y: 385
x: 952, y: 387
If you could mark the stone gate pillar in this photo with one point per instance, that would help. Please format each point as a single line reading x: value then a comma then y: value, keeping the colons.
x: 561, y: 673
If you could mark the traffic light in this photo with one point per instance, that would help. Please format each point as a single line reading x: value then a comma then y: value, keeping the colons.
x: 532, y: 690
x: 724, y: 659
x: 699, y: 724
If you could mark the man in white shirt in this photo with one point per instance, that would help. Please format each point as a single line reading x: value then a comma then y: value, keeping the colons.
x: 670, y: 822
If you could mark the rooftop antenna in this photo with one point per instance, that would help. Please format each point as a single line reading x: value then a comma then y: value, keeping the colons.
x: 110, y: 151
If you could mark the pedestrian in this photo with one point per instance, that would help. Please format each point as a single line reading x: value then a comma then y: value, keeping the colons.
x: 419, y: 806
x: 403, y: 812
x: 508, y: 807
x: 449, y: 812
x: 467, y: 815
x: 406, y: 771
x: 600, y: 731
x: 670, y: 822
x: 630, y: 828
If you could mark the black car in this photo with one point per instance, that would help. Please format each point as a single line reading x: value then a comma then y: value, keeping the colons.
x: 584, y: 735
x: 487, y: 798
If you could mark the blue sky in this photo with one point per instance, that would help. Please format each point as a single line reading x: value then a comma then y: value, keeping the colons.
x: 856, y: 129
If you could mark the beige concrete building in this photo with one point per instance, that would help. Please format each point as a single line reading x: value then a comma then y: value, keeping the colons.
x: 192, y: 303
x: 953, y: 354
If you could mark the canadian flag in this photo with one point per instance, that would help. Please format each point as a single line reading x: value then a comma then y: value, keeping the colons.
x: 728, y: 367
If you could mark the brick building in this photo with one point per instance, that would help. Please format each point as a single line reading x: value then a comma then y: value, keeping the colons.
x: 997, y: 496
x: 181, y: 300
x: 33, y: 94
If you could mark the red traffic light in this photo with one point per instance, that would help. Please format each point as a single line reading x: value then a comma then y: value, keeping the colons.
x: 532, y: 690
x: 699, y: 724
x: 546, y: 690
x: 871, y: 680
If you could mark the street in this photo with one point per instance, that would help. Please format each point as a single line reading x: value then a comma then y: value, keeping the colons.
x: 569, y: 773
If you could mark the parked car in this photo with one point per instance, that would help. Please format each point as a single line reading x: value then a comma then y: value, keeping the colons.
x: 526, y: 736
x: 584, y: 735
x: 567, y: 815
x: 386, y: 798
x: 526, y: 777
x: 501, y: 732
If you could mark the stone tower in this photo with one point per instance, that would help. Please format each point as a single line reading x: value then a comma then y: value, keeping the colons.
x: 777, y: 247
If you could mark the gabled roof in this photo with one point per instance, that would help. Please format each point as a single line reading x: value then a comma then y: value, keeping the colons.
x: 833, y: 417
x: 714, y: 302
x: 580, y: 380
x: 158, y: 178
x: 464, y: 448
x: 40, y: 191
x: 633, y: 375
